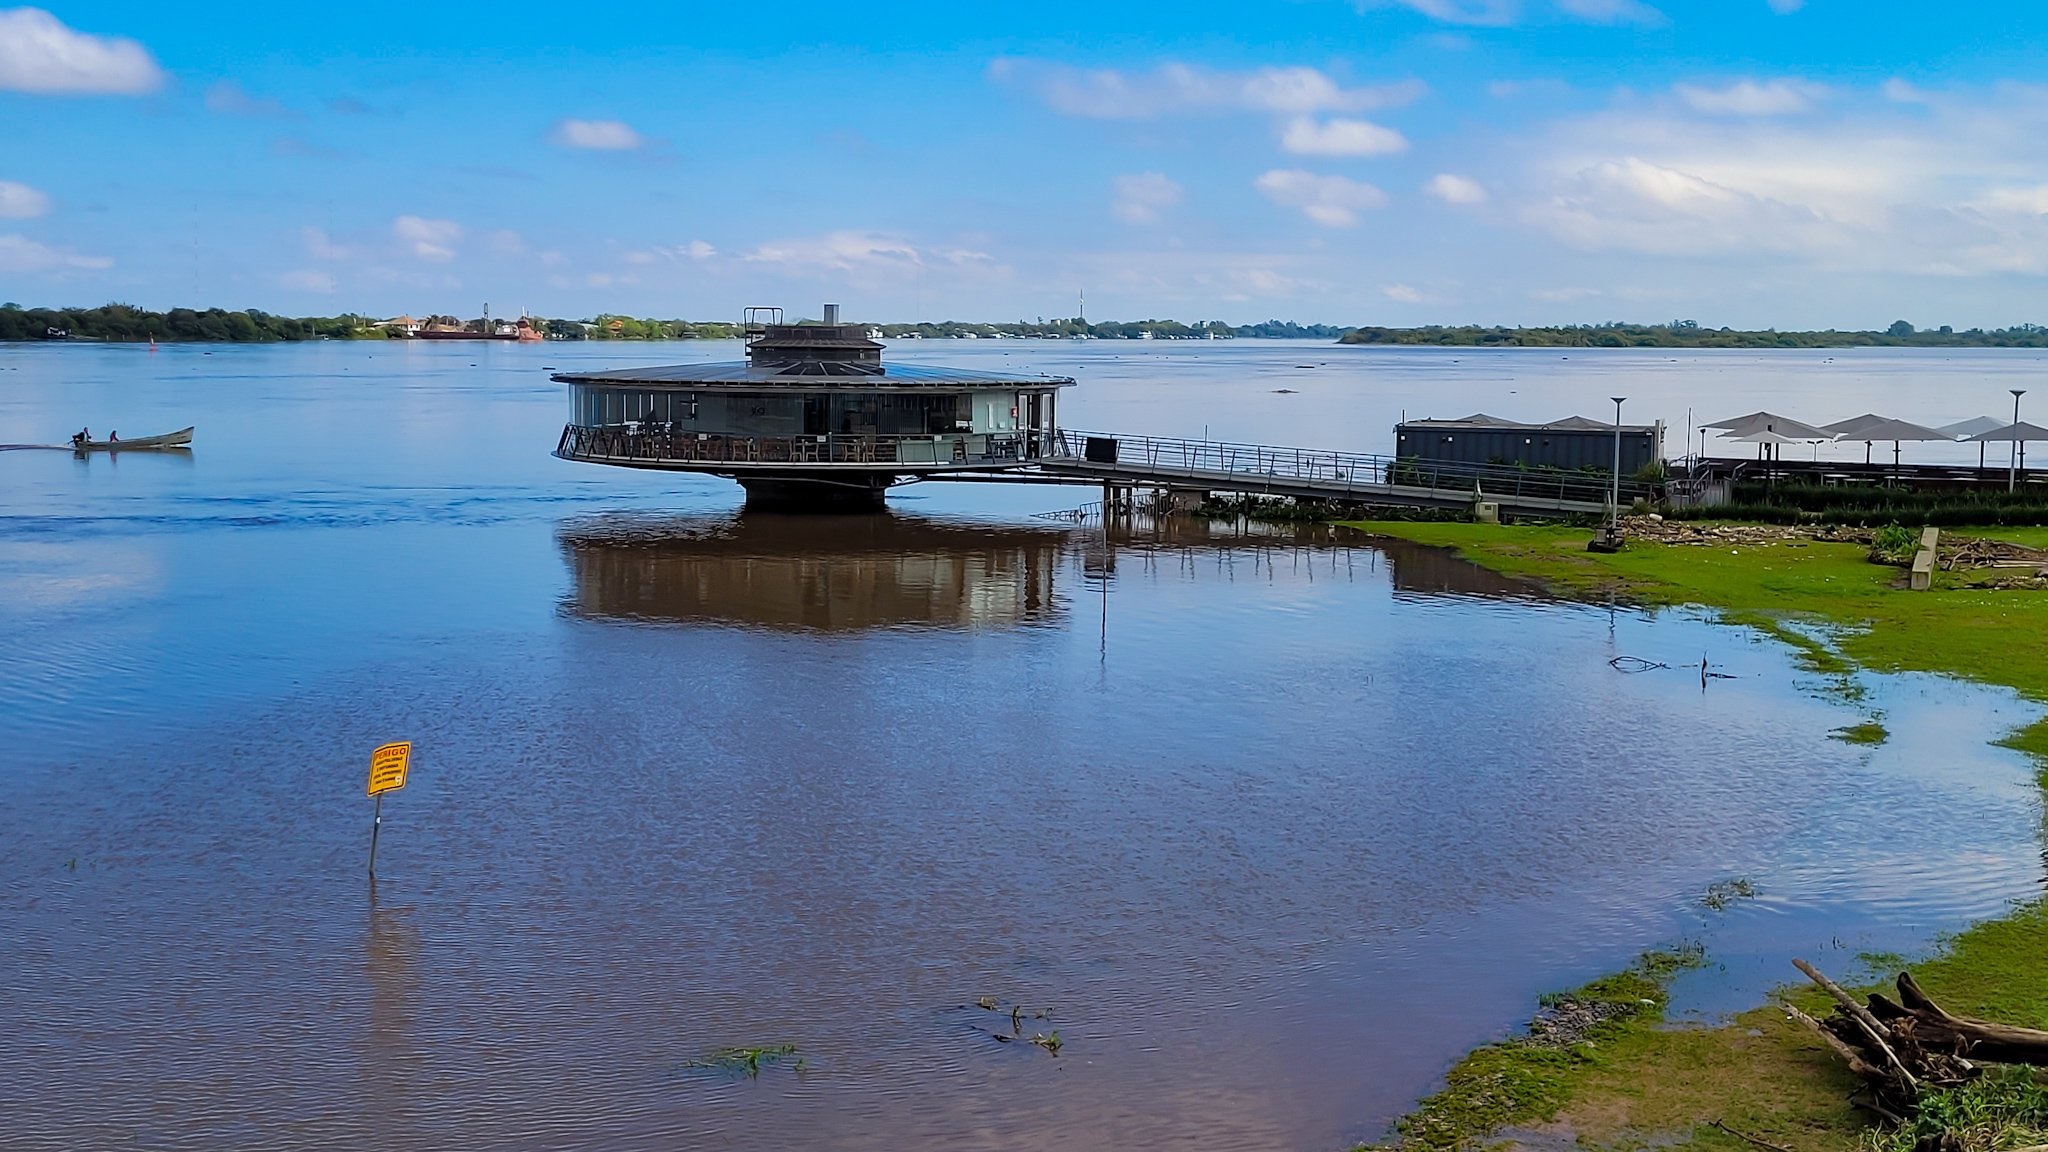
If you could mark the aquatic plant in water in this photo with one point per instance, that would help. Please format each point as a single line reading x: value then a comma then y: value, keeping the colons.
x: 747, y: 1061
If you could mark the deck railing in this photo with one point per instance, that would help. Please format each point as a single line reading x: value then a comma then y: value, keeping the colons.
x: 1335, y: 471
x: 669, y: 446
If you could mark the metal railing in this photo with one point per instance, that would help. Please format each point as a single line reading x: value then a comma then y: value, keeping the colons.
x: 1335, y: 472
x: 670, y: 446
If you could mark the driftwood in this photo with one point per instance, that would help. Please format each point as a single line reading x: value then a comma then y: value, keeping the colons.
x: 1900, y: 1049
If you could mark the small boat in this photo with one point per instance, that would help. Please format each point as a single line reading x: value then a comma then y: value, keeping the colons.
x: 182, y: 438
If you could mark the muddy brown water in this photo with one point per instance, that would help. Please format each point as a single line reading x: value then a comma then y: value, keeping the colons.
x: 1273, y: 822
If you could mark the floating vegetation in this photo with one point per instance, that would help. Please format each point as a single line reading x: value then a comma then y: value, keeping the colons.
x: 1868, y: 732
x: 1018, y: 1014
x: 747, y: 1061
x: 1721, y: 893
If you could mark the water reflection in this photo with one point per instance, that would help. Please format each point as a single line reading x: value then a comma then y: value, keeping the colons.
x: 391, y: 946
x: 814, y: 573
x: 1418, y: 569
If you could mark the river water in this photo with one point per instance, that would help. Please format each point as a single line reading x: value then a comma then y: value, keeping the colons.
x: 1272, y: 824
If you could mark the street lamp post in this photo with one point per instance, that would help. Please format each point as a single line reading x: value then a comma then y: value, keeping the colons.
x: 2012, y: 476
x: 1614, y: 498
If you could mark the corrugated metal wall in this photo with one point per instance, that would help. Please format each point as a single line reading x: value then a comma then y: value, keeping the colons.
x: 1530, y: 447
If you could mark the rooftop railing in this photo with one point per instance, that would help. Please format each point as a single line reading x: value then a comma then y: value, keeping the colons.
x: 659, y: 445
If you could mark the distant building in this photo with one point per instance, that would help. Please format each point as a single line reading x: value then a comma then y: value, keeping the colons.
x: 1569, y: 444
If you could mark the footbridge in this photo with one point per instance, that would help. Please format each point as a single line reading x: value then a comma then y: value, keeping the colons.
x: 819, y: 467
x: 1202, y: 466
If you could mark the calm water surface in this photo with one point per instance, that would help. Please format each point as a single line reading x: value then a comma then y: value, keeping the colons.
x: 1275, y: 824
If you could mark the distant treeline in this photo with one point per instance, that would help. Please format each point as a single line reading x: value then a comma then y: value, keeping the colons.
x: 1114, y: 330
x: 1688, y: 334
x: 125, y: 322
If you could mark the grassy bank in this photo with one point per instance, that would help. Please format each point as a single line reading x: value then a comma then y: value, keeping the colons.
x: 1631, y: 1081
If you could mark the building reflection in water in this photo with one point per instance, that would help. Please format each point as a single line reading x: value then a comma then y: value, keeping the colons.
x: 814, y: 573
x: 887, y: 570
x: 1418, y: 569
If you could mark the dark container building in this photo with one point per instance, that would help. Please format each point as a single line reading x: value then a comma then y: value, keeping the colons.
x: 1571, y: 444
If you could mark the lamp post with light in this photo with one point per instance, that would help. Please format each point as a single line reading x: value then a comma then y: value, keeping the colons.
x: 2012, y: 476
x: 1614, y: 498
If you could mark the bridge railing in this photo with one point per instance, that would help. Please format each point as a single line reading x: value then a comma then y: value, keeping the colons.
x: 1339, y: 471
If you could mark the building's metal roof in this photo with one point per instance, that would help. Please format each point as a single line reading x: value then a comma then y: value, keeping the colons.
x: 808, y: 375
x: 1481, y: 422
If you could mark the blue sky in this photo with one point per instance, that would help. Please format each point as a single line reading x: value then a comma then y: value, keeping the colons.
x: 1741, y: 162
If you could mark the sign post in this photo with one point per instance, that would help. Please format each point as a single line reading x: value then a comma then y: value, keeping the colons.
x: 387, y: 774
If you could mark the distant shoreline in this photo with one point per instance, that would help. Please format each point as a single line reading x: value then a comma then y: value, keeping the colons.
x: 122, y: 324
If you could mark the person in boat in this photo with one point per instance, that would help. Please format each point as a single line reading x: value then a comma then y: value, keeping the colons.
x: 78, y: 439
x: 113, y: 437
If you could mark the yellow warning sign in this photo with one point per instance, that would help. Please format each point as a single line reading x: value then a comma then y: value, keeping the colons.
x: 388, y: 765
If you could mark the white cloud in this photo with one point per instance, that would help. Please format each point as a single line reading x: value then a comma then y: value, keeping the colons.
x: 229, y: 99
x: 1486, y: 12
x: 1144, y: 197
x: 21, y: 202
x: 1499, y: 13
x: 1404, y: 293
x: 308, y: 280
x: 696, y: 250
x: 506, y: 242
x: 1454, y: 189
x: 1958, y: 188
x: 1750, y: 98
x: 21, y: 254
x: 2020, y: 201
x: 597, y: 135
x: 1331, y: 201
x: 1563, y: 295
x: 321, y: 246
x: 1611, y: 11
x: 1306, y: 137
x: 39, y: 54
x: 429, y: 239
x: 1901, y: 92
x: 1112, y: 94
x: 846, y: 251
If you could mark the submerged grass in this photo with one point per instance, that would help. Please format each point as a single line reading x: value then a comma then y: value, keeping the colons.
x: 1783, y: 589
x: 1639, y: 1083
x: 1868, y: 732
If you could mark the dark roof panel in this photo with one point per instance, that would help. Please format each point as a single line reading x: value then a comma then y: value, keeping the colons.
x: 809, y: 374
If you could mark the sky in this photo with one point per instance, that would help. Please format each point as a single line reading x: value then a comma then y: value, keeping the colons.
x: 1750, y: 163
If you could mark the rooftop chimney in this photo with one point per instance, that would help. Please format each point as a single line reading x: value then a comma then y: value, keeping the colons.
x: 831, y: 313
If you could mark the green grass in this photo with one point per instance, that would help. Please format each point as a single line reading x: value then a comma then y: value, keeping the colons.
x: 1521, y: 1080
x: 1640, y: 1083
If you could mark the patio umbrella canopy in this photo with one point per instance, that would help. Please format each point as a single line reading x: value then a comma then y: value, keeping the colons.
x: 1771, y: 422
x: 2017, y: 435
x: 1871, y: 427
x: 1965, y: 429
x: 2010, y: 433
